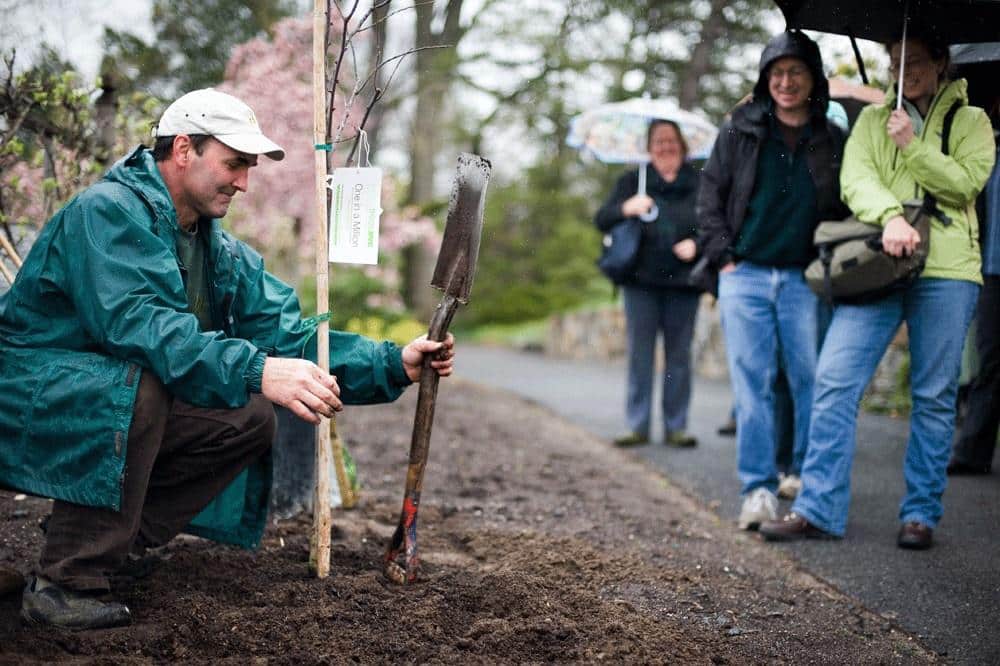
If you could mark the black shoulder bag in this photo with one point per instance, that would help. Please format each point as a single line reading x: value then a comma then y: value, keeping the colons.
x: 620, y: 250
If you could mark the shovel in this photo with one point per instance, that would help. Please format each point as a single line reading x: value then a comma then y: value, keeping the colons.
x: 453, y: 274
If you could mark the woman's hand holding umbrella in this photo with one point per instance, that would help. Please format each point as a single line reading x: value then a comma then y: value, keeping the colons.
x: 637, y: 205
x: 900, y: 128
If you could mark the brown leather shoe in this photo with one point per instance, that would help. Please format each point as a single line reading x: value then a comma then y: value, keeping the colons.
x: 792, y: 528
x: 914, y: 536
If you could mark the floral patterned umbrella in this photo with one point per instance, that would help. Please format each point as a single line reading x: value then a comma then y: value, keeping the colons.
x: 615, y: 133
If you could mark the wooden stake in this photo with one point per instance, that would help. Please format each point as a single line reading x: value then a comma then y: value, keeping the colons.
x: 348, y: 499
x: 6, y: 273
x: 9, y: 249
x: 319, y: 552
x: 12, y: 253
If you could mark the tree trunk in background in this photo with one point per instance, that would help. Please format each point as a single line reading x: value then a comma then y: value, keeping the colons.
x: 49, y: 198
x: 435, y: 70
x: 105, y: 109
x: 377, y: 53
x: 700, y: 64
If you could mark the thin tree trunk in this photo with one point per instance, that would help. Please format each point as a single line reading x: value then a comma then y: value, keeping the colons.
x: 435, y: 70
x: 49, y: 198
x: 105, y: 109
x: 378, y: 46
x: 711, y: 30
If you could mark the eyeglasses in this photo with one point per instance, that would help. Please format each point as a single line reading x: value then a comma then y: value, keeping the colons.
x: 793, y: 72
x: 911, y: 64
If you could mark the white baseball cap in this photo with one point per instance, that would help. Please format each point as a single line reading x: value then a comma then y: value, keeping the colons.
x: 208, y: 111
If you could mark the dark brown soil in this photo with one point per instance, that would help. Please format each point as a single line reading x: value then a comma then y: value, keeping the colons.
x: 539, y: 544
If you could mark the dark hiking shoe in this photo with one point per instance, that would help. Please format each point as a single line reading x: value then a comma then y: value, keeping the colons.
x: 727, y: 429
x: 680, y: 439
x: 631, y: 439
x: 45, y: 603
x: 914, y: 536
x: 956, y: 468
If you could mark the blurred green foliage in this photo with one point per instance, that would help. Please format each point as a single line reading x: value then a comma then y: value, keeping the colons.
x: 193, y: 41
x: 538, y: 249
x: 354, y: 307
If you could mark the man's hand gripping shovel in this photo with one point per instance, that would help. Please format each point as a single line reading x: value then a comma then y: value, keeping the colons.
x: 453, y: 274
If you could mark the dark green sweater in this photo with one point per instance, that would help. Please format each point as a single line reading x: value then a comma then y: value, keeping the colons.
x: 781, y: 215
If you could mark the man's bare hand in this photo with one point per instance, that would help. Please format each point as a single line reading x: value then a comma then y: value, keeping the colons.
x: 899, y: 238
x: 302, y: 387
x: 444, y: 356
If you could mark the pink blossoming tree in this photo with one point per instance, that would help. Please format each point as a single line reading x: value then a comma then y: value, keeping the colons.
x: 277, y: 214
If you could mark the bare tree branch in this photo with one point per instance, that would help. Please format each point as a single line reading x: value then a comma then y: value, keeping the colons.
x: 394, y: 12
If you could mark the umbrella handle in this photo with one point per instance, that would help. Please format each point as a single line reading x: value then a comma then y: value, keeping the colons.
x: 653, y: 212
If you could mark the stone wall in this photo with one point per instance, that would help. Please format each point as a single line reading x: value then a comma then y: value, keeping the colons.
x: 587, y: 334
x: 600, y: 334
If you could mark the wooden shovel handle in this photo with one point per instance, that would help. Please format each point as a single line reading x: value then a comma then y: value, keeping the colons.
x: 401, y: 561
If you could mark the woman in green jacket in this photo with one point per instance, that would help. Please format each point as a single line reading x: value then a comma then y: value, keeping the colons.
x: 895, y: 155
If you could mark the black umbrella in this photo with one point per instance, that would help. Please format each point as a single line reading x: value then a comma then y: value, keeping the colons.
x: 956, y: 21
x: 979, y: 64
x: 975, y: 54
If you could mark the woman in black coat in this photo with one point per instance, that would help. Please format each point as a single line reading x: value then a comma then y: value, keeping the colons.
x: 659, y: 296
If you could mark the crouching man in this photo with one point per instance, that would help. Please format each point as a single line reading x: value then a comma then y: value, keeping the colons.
x: 141, y: 350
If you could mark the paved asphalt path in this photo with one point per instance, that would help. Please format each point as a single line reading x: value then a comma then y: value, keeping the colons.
x: 949, y: 595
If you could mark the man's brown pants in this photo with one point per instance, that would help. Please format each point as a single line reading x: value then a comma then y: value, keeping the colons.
x: 179, y: 458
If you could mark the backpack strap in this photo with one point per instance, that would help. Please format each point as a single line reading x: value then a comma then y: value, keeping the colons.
x: 930, y: 203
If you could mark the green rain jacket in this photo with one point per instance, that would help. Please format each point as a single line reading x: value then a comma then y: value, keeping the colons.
x: 101, y: 299
x: 876, y: 176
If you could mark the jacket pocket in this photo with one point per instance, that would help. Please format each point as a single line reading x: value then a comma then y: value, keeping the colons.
x: 65, y: 422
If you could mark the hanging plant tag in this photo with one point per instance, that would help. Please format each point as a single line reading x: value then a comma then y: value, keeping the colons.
x: 354, y: 215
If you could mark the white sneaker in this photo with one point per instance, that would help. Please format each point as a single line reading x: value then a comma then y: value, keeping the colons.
x: 789, y: 486
x: 759, y: 506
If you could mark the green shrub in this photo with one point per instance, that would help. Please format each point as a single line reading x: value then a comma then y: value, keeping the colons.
x: 538, y: 250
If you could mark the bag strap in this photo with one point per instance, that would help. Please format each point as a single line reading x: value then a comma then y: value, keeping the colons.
x: 826, y: 258
x: 930, y: 202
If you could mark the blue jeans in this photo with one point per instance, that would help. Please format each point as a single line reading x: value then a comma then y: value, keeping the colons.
x: 789, y: 457
x: 767, y: 312
x: 648, y: 311
x: 937, y: 314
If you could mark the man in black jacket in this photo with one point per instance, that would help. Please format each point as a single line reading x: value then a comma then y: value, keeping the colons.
x: 772, y: 176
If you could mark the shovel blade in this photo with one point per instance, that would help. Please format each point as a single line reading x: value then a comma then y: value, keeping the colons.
x: 456, y: 264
